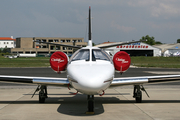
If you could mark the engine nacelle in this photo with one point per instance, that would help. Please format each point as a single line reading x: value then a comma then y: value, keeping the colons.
x: 58, y: 61
x: 121, y: 61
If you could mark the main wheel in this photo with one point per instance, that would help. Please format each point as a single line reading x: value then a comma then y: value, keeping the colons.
x: 41, y: 97
x: 139, y: 97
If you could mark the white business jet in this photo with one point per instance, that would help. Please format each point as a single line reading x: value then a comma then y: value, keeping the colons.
x: 90, y: 71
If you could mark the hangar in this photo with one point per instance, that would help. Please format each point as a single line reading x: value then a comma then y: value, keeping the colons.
x: 134, y: 49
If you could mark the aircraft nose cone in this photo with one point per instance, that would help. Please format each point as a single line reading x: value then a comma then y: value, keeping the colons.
x: 91, y: 80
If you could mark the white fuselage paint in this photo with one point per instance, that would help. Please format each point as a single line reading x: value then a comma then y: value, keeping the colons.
x: 90, y: 77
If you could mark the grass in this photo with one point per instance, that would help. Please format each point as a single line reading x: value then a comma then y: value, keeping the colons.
x: 24, y: 62
x: 163, y: 62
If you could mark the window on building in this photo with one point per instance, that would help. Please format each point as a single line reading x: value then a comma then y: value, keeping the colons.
x: 11, y: 42
x: 56, y: 40
x: 74, y: 40
x: 64, y: 48
x: 68, y: 40
x: 50, y: 40
x: 38, y: 46
x: 52, y: 47
x: 44, y: 46
x: 38, y: 40
x: 62, y: 40
x: 7, y: 43
x: 43, y: 40
x: 69, y: 52
x: 79, y: 40
x: 58, y: 47
x: 69, y: 48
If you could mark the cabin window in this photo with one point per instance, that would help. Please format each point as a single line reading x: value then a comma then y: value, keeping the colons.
x: 99, y: 55
x: 82, y: 54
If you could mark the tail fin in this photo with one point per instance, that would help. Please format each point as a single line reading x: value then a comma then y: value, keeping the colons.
x: 89, y: 32
x: 89, y: 23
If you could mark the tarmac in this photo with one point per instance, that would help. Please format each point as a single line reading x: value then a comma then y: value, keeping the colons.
x: 117, y: 103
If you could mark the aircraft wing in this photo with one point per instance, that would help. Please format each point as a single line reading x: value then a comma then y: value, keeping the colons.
x: 144, y: 80
x: 35, y: 80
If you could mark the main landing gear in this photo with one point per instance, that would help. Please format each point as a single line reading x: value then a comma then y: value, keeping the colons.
x: 90, y: 99
x: 42, y: 93
x: 137, y: 94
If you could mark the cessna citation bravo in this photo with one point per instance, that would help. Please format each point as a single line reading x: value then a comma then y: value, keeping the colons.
x: 90, y: 71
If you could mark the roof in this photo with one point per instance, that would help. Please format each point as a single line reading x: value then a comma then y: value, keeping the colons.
x: 7, y: 38
x: 107, y: 42
x: 165, y: 47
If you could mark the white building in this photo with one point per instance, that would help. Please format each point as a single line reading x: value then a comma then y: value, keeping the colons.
x: 8, y: 42
x: 135, y: 49
x: 169, y: 49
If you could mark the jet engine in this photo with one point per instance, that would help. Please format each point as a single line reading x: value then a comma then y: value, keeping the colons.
x: 58, y: 61
x: 121, y: 61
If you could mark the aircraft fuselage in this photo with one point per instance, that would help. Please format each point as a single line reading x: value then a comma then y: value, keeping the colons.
x: 92, y: 73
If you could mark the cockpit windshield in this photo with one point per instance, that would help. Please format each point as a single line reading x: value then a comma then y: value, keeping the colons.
x: 99, y: 55
x: 83, y: 54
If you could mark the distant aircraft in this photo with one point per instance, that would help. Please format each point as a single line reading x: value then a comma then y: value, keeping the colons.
x: 90, y: 71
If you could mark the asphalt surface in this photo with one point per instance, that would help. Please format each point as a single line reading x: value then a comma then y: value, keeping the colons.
x: 48, y: 72
x: 117, y: 103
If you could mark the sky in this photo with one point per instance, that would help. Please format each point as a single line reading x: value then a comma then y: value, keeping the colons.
x: 112, y: 20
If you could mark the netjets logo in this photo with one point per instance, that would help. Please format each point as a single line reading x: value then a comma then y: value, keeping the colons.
x: 121, y: 60
x: 58, y: 60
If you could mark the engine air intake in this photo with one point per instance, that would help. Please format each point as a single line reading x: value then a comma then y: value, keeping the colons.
x: 121, y: 61
x: 58, y: 61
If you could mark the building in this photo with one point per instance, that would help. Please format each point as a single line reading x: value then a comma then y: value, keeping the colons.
x: 28, y: 46
x: 8, y: 42
x: 134, y: 49
x: 169, y: 49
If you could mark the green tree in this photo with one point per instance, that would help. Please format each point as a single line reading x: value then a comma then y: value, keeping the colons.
x: 178, y: 40
x: 148, y: 40
x: 5, y: 50
x: 158, y: 42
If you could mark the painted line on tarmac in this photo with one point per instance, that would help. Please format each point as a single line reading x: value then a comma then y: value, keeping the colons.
x: 163, y: 72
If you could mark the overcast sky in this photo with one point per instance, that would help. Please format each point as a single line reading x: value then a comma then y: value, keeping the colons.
x: 113, y: 20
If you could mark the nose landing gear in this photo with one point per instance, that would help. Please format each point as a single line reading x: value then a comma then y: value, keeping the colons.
x: 90, y: 99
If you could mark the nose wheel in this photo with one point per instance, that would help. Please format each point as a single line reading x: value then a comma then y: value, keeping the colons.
x: 90, y: 99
